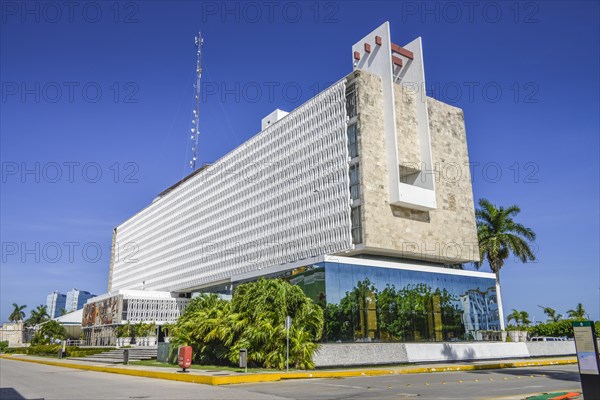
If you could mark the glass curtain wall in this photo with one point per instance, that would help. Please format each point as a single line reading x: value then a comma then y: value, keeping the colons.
x: 371, y: 304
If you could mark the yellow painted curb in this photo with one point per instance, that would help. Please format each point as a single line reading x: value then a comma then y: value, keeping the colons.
x: 272, y: 377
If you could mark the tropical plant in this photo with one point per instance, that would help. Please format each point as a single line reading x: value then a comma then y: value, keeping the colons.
x: 166, y: 328
x: 259, y: 310
x: 49, y: 332
x: 123, y: 331
x: 499, y: 236
x: 551, y: 313
x: 17, y: 314
x: 203, y: 325
x: 578, y: 313
x: 520, y: 317
x: 39, y: 315
x: 254, y: 320
x: 63, y: 311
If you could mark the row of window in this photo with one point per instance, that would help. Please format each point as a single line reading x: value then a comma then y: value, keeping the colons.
x: 354, y: 171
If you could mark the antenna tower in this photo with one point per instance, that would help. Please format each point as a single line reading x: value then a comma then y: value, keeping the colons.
x: 196, y: 118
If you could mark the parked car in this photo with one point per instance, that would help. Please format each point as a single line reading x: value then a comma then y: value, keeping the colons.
x: 547, y: 339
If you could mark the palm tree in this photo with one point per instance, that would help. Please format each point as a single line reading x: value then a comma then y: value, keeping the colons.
x: 578, y: 313
x: 520, y: 317
x: 18, y: 314
x: 39, y: 315
x: 553, y: 316
x: 499, y: 235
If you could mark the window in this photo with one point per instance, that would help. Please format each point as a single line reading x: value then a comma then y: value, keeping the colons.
x: 354, y: 182
x: 351, y: 101
x: 356, y: 225
x: 352, y: 141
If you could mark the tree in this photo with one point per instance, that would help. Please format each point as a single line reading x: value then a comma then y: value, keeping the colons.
x: 553, y: 316
x: 254, y: 319
x: 49, y: 332
x: 17, y: 314
x: 499, y: 236
x: 578, y: 313
x: 520, y: 317
x: 39, y: 315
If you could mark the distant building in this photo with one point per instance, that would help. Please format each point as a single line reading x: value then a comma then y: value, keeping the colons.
x: 76, y: 299
x: 55, y: 303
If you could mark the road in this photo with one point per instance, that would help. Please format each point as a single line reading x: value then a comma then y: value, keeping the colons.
x: 20, y: 380
x: 23, y: 380
x: 489, y: 384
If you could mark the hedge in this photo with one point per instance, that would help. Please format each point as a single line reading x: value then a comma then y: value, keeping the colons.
x: 52, y: 350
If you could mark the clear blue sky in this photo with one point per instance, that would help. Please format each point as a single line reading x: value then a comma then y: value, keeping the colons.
x: 543, y: 56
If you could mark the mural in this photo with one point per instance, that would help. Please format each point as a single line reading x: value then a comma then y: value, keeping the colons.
x: 102, y: 312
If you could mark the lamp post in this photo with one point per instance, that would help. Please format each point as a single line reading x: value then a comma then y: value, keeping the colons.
x: 288, y: 325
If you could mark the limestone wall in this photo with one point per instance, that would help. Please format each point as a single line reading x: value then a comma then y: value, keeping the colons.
x: 446, y: 234
x: 13, y: 333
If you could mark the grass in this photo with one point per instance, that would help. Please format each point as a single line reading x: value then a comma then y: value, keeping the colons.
x: 154, y: 363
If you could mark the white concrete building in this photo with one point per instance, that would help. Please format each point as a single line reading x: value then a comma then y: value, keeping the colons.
x: 353, y: 186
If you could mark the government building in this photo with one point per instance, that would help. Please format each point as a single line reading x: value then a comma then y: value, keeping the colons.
x: 361, y: 196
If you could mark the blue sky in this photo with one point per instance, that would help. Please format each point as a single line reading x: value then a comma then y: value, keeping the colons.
x: 97, y: 100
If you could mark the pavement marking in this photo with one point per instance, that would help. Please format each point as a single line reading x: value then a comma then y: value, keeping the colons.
x: 341, y: 386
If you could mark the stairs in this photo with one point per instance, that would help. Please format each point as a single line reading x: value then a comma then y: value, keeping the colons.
x: 116, y: 356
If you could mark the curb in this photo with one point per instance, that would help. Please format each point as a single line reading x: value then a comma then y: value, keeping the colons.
x: 273, y: 377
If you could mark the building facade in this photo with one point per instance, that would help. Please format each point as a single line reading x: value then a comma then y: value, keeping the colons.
x: 370, y: 172
x: 56, y: 303
x: 76, y: 299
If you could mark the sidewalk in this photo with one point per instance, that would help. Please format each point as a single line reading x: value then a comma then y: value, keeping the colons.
x: 214, y: 377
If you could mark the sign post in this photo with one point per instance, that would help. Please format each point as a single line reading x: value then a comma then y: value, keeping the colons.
x: 288, y: 325
x: 586, y: 347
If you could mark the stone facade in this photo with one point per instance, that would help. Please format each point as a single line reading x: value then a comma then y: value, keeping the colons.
x: 444, y: 235
x: 13, y: 333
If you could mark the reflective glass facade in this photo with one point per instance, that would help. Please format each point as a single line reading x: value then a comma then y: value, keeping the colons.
x: 365, y: 303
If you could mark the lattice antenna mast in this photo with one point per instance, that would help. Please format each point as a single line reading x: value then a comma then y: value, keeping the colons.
x: 196, y: 118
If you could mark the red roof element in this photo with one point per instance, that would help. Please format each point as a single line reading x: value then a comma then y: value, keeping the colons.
x: 378, y: 40
x: 367, y: 47
x: 397, y: 61
x: 402, y: 51
x: 356, y: 55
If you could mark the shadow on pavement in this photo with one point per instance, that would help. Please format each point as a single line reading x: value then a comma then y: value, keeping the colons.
x: 571, y: 376
x: 12, y: 394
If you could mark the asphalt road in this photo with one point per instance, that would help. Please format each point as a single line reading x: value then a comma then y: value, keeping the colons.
x: 20, y: 380
x: 23, y: 380
x: 490, y: 384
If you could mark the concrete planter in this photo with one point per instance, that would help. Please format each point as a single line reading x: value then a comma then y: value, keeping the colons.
x: 513, y: 335
x: 522, y: 336
x: 518, y: 336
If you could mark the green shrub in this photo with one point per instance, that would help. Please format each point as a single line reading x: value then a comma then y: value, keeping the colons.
x: 16, y: 350
x: 3, y: 345
x: 254, y: 320
x: 43, y: 349
x: 554, y: 329
x: 52, y: 350
x: 73, y: 351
